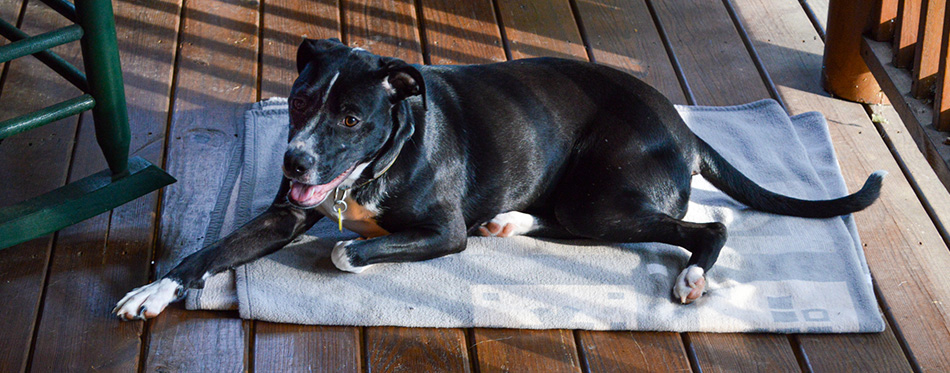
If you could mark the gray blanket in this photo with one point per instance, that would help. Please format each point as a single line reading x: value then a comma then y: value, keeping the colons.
x: 776, y: 273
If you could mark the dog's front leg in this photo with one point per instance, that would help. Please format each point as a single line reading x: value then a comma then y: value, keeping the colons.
x: 416, y: 244
x: 268, y: 232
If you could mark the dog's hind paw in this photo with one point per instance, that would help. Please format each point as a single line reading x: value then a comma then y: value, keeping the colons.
x: 511, y: 223
x: 342, y: 260
x: 148, y: 301
x: 690, y: 284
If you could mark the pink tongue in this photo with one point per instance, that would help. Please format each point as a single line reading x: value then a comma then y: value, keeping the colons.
x: 308, y: 194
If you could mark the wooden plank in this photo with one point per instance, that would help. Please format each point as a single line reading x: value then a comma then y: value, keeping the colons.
x: 743, y: 352
x: 714, y: 85
x: 818, y: 13
x: 306, y: 348
x: 916, y: 115
x: 461, y: 32
x: 533, y: 29
x: 854, y: 352
x: 392, y: 349
x: 216, y: 79
x: 505, y: 350
x: 942, y: 97
x: 30, y: 85
x: 632, y: 351
x: 390, y: 29
x: 387, y: 28
x: 299, y: 347
x: 927, y: 54
x: 932, y: 194
x: 717, y: 65
x: 904, y: 250
x: 884, y: 17
x: 541, y: 28
x: 286, y: 24
x: 905, y: 32
x: 622, y: 34
x: 95, y: 259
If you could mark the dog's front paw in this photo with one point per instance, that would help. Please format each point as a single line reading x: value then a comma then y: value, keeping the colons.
x: 149, y: 300
x: 342, y: 260
x: 689, y: 284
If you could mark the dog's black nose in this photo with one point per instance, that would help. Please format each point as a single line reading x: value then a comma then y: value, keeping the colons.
x: 297, y: 162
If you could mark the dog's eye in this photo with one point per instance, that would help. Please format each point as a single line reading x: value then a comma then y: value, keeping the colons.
x: 350, y: 121
x: 297, y: 103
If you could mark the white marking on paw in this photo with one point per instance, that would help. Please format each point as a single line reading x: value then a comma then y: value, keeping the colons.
x: 341, y: 260
x: 689, y: 284
x: 511, y: 223
x: 147, y: 301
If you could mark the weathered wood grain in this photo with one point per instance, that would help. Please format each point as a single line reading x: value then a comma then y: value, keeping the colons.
x: 387, y: 28
x: 33, y: 163
x: 854, y: 352
x: 622, y: 34
x: 216, y: 79
x: 632, y: 351
x: 904, y: 250
x: 541, y: 28
x: 95, y: 262
x: 716, y: 66
x: 306, y: 348
x: 461, y: 32
x: 518, y: 350
x: 392, y: 349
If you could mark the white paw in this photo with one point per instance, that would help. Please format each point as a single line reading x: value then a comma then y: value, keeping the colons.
x: 148, y: 301
x: 689, y: 284
x: 511, y: 223
x: 341, y: 260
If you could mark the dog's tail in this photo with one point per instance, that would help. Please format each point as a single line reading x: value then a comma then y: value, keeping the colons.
x: 727, y: 178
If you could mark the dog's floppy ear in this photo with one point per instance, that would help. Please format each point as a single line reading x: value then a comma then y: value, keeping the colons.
x: 404, y: 129
x: 404, y: 80
x: 310, y: 48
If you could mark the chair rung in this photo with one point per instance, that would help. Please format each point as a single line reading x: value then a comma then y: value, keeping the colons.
x: 54, y: 61
x: 46, y: 115
x: 34, y: 44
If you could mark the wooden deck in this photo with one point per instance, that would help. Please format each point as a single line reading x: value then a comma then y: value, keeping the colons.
x: 192, y: 66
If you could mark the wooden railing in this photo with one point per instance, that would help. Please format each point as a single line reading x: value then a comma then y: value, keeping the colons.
x: 917, y: 31
x: 895, y: 50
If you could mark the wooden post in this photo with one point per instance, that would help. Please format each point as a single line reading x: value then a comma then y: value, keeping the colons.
x: 942, y: 98
x: 883, y: 16
x: 844, y: 73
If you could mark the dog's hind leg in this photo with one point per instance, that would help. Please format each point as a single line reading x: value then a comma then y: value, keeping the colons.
x: 620, y: 195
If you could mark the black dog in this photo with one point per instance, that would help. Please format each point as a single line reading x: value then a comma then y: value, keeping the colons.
x: 415, y: 158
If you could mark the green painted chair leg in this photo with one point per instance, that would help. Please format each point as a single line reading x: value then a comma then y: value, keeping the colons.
x: 126, y: 179
x: 78, y: 201
x: 100, y: 55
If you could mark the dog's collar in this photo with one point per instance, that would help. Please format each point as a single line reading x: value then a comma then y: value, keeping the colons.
x: 358, y: 184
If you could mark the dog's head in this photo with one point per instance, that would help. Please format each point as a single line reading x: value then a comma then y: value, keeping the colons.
x: 345, y: 119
